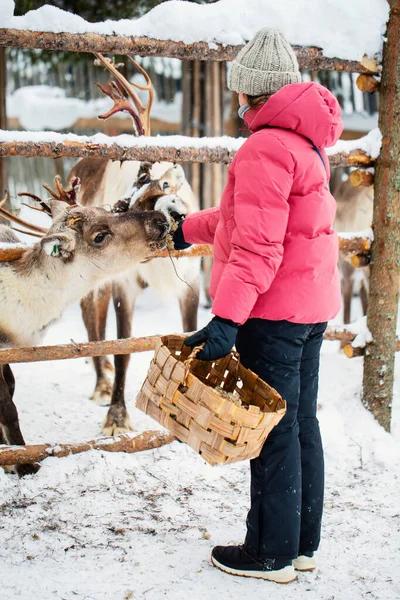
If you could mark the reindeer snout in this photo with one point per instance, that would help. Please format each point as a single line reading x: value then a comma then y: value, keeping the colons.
x: 158, y: 226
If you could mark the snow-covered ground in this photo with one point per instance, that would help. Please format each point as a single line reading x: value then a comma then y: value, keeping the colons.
x: 99, y: 525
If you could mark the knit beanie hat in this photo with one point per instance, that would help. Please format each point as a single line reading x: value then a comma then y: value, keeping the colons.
x: 264, y: 65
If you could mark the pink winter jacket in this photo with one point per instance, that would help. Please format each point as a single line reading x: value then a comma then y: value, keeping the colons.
x: 275, y: 253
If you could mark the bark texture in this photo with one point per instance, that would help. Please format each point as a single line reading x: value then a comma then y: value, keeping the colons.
x: 355, y: 158
x: 310, y: 58
x: 18, y: 455
x: 385, y: 262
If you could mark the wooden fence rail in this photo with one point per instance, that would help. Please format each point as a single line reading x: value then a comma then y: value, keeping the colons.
x: 357, y: 245
x: 310, y: 58
x: 153, y: 153
x: 123, y: 346
x: 19, y: 455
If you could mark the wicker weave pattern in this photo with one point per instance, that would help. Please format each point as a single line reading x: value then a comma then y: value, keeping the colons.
x: 187, y: 403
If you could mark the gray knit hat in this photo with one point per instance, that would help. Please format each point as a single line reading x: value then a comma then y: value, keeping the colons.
x: 264, y: 65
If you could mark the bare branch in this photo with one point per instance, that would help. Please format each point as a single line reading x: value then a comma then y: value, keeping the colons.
x: 14, y: 219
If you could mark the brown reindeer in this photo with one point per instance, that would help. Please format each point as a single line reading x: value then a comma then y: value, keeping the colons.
x: 83, y: 248
x: 353, y: 213
x: 162, y: 187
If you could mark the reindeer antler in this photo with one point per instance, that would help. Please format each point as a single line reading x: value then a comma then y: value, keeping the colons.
x: 69, y: 196
x: 122, y: 90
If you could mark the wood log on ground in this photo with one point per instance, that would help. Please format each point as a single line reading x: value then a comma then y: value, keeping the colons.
x: 310, y: 58
x: 385, y: 264
x: 361, y: 178
x: 19, y: 455
x: 152, y: 153
x: 367, y: 83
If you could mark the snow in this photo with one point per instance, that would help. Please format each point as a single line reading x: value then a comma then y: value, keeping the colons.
x: 341, y: 28
x: 6, y: 12
x: 365, y: 233
x: 364, y: 336
x: 101, y: 525
x: 370, y: 143
x: 40, y: 107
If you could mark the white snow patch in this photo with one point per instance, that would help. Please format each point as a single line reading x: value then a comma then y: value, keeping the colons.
x: 111, y: 525
x: 370, y: 144
x: 364, y: 336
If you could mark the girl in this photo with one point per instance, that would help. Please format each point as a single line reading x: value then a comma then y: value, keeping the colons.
x: 274, y: 286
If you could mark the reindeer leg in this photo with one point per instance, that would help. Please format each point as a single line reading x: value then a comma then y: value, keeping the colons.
x: 347, y: 288
x: 9, y: 423
x: 117, y: 420
x: 104, y: 295
x: 94, y: 313
x: 364, y: 290
x: 189, y: 304
x: 207, y: 267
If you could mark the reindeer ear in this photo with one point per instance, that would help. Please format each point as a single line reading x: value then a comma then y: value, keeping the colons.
x: 57, y: 208
x: 59, y: 245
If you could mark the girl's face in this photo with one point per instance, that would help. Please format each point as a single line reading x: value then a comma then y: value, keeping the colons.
x: 242, y: 99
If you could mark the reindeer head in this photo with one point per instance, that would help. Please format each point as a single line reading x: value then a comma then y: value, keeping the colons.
x: 159, y: 194
x: 95, y: 233
x: 81, y: 232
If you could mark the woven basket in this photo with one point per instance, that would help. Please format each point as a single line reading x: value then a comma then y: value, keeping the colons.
x: 182, y: 394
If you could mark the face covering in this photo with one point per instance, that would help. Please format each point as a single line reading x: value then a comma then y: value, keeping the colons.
x: 243, y: 110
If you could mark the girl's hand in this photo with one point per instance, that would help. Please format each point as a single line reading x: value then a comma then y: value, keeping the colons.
x: 219, y: 337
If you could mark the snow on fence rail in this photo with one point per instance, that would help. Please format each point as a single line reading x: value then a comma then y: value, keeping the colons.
x: 310, y: 58
x: 175, y: 148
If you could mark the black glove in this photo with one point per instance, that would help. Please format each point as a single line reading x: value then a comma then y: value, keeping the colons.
x: 179, y: 239
x: 219, y: 335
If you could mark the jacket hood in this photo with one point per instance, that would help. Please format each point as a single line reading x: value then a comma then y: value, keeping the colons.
x: 305, y: 108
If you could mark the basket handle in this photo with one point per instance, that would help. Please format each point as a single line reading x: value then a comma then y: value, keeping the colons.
x: 190, y: 359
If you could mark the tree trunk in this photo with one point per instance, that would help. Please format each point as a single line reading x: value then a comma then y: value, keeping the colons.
x: 385, y: 263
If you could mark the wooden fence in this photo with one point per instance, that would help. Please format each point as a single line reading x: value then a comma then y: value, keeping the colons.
x: 385, y: 264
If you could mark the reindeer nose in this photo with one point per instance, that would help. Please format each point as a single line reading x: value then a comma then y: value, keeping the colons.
x: 160, y: 222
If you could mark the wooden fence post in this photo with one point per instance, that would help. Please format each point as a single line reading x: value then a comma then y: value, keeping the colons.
x: 385, y: 265
x: 3, y: 119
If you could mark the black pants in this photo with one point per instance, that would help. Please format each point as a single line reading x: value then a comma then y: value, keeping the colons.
x: 287, y: 479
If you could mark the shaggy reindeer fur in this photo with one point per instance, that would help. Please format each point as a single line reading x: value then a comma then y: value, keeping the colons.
x: 83, y: 248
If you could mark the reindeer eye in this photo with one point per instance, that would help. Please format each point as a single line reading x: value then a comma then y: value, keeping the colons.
x: 100, y: 237
x: 165, y: 185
